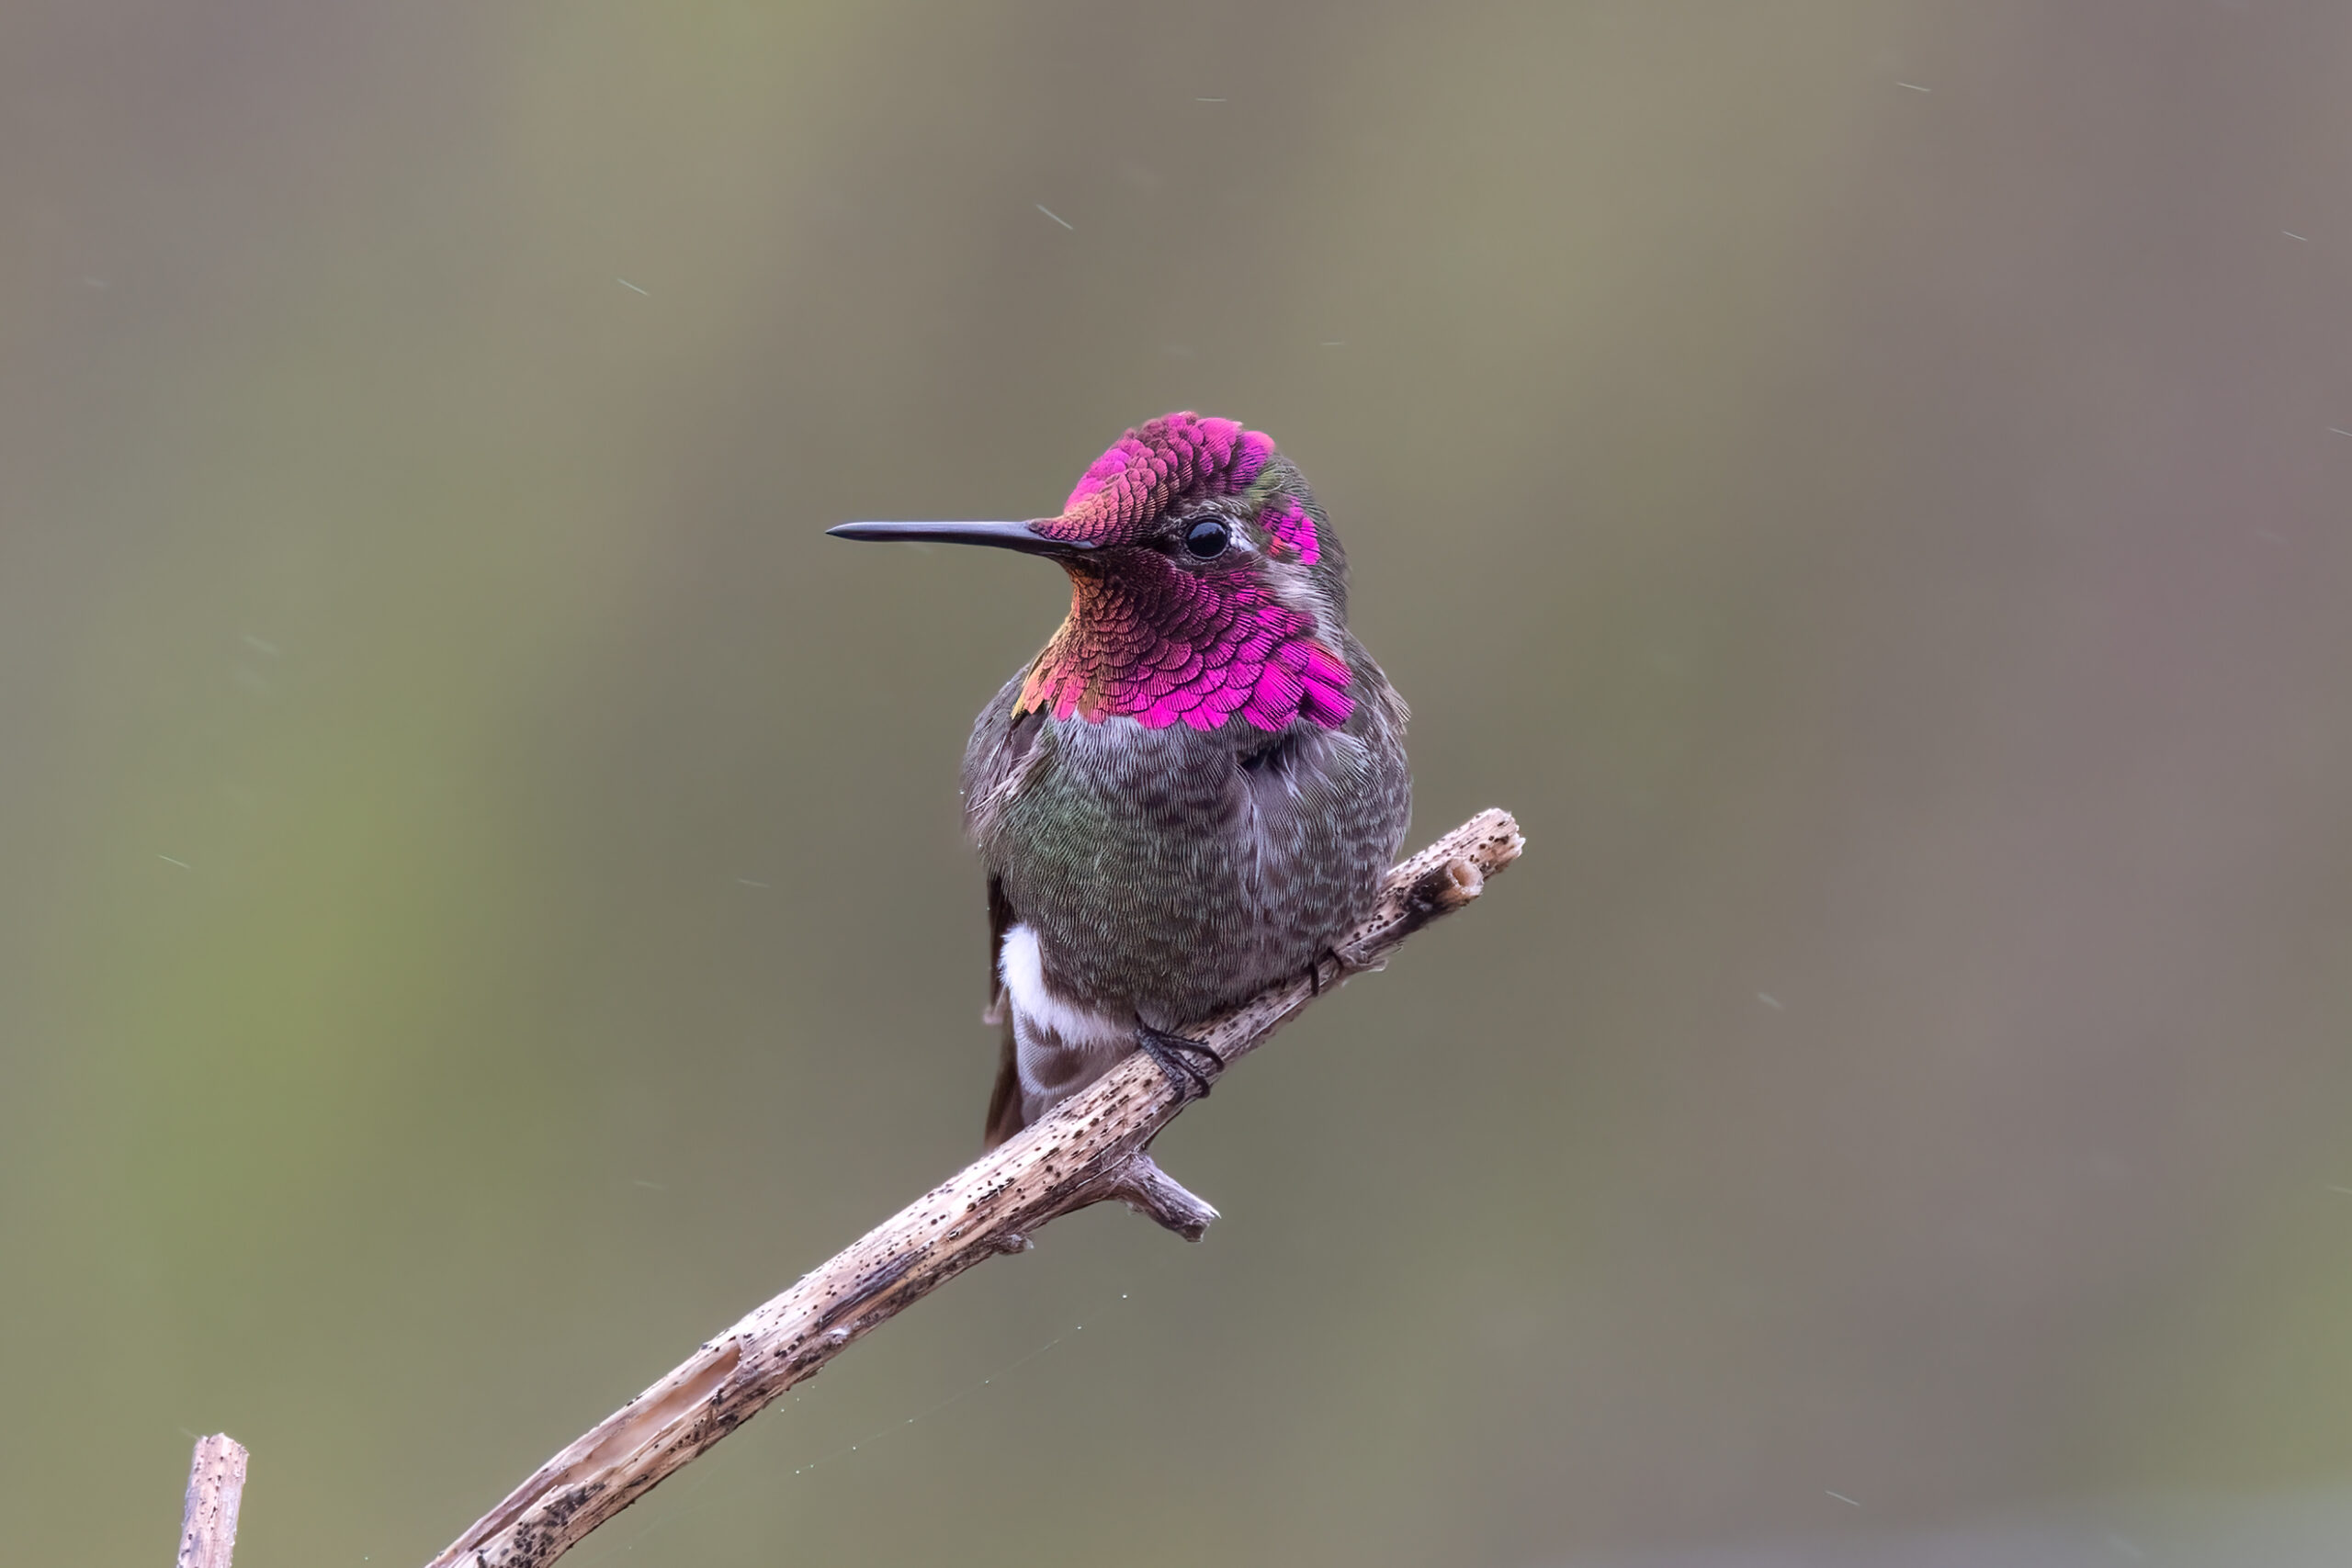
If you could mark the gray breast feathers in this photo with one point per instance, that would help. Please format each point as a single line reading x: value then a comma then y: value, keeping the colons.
x: 1170, y: 870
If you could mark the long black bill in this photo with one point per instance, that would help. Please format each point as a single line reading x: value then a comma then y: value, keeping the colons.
x: 1003, y: 536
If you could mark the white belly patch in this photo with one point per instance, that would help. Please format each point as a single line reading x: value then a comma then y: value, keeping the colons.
x: 1072, y: 1027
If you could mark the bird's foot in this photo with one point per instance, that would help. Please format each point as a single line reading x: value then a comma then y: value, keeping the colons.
x: 1170, y: 1051
x: 1340, y: 970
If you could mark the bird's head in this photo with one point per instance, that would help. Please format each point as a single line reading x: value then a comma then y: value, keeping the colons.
x: 1206, y: 585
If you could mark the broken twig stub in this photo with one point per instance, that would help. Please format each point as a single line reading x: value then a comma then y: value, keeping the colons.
x: 216, y: 1486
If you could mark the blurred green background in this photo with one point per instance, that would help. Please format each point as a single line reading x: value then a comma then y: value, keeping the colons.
x: 480, y: 894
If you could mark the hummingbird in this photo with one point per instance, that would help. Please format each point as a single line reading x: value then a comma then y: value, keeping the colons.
x: 1194, y: 789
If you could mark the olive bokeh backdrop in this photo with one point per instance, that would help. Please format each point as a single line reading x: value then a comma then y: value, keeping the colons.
x: 481, y: 895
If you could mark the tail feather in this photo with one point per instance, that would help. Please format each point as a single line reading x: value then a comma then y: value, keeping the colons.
x: 1004, y: 1102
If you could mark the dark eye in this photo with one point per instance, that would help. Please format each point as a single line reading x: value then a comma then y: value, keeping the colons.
x: 1207, y: 538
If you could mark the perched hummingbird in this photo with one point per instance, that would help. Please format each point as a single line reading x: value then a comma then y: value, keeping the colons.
x: 1194, y: 789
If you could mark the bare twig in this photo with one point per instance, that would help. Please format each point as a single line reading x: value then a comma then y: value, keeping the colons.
x: 216, y: 1483
x: 1089, y: 1149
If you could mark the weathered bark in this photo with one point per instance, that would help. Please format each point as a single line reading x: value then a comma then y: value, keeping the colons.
x: 216, y: 1484
x: 1088, y: 1149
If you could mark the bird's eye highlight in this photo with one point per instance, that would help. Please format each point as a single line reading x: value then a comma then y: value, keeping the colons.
x: 1206, y: 540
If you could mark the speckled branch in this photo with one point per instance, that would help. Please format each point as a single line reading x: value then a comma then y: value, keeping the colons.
x: 1088, y: 1149
x: 216, y: 1484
